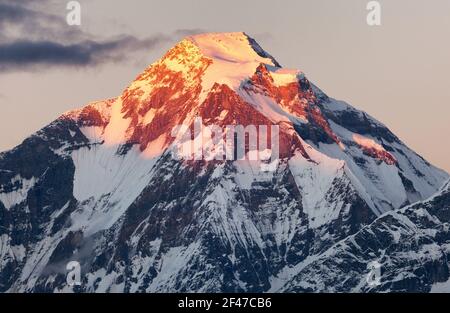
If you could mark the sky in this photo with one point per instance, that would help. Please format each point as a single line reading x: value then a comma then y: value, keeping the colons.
x: 397, y: 72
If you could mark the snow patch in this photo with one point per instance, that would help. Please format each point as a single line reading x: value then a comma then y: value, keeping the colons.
x: 367, y: 142
x: 18, y: 194
x: 172, y: 263
x: 315, y: 180
x: 106, y: 184
x: 233, y: 59
x: 283, y: 77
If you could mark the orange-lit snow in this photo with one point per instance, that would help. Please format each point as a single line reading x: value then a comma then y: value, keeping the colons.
x: 367, y: 142
x: 115, y: 132
x: 233, y: 59
x: 283, y: 77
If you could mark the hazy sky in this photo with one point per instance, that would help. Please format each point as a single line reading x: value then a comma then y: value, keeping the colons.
x: 397, y: 72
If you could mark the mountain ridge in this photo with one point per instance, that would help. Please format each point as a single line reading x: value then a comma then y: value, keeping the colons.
x: 100, y: 185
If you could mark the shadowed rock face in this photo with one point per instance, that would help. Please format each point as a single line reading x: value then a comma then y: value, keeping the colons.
x: 100, y: 186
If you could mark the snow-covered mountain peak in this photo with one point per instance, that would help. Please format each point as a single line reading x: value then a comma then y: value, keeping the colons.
x: 235, y: 47
x: 171, y: 91
x: 100, y: 185
x: 200, y: 61
x: 227, y: 78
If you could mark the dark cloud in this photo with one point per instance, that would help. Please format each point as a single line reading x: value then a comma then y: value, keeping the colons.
x: 24, y: 54
x: 10, y: 12
x: 28, y: 22
x: 31, y: 38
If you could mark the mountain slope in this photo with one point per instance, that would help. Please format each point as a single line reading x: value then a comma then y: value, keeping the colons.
x: 102, y: 185
x: 411, y: 245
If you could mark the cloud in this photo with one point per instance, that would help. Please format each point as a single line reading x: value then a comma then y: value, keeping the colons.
x: 34, y: 39
x: 24, y: 54
x: 13, y: 12
x: 18, y: 20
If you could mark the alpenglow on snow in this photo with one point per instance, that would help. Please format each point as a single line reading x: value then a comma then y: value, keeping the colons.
x: 101, y: 186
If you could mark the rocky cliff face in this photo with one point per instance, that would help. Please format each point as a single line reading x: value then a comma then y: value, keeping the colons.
x: 102, y: 186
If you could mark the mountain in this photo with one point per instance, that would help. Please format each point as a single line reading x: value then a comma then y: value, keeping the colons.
x: 411, y: 245
x: 104, y: 186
